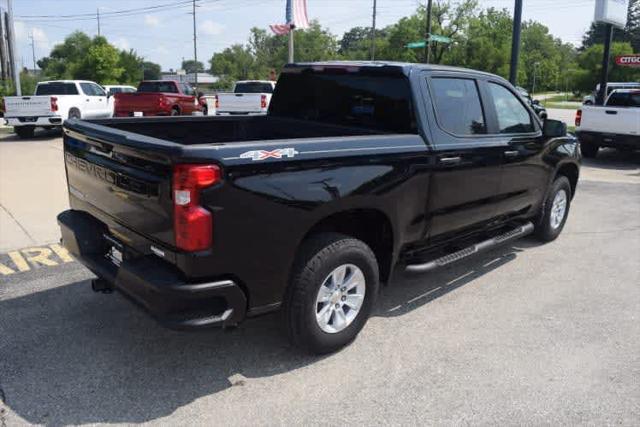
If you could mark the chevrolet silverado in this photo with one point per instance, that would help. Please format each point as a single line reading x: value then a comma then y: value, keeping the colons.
x: 357, y: 167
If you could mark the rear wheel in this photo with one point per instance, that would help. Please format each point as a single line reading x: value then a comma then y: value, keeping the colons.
x: 332, y: 291
x: 175, y: 111
x: 205, y: 111
x: 25, y: 131
x: 589, y: 150
x: 555, y: 211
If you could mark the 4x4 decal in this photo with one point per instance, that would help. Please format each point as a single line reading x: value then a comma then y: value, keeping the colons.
x: 278, y: 153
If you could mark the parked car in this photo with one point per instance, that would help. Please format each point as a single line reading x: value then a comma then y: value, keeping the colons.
x: 356, y: 168
x: 113, y: 89
x: 53, y: 103
x: 611, y: 86
x: 615, y: 124
x: 539, y: 109
x: 158, y: 98
x: 248, y: 97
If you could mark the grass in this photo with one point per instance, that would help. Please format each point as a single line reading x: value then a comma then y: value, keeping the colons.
x: 557, y: 105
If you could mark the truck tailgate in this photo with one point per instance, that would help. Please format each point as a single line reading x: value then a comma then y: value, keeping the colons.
x: 240, y: 103
x: 27, y: 106
x: 134, y: 102
x: 611, y: 120
x: 120, y: 182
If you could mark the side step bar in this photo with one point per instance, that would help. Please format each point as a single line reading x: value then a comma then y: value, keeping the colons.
x: 472, y: 250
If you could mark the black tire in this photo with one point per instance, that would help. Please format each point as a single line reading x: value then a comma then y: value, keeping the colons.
x: 25, y: 132
x: 589, y: 150
x: 205, y: 111
x: 318, y: 257
x: 545, y: 229
x: 175, y: 111
x: 74, y: 113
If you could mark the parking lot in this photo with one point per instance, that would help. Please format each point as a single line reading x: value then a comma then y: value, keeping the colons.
x: 526, y: 334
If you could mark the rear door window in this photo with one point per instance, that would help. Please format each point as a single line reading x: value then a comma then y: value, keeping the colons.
x: 57, y: 89
x: 513, y: 116
x: 88, y: 90
x: 458, y: 107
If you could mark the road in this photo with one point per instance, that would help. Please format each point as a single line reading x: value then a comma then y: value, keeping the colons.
x: 527, y: 334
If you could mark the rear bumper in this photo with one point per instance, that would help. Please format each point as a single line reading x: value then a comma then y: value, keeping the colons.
x: 609, y: 139
x: 152, y: 283
x: 34, y: 121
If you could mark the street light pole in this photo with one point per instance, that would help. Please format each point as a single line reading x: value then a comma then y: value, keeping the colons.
x: 373, y: 31
x: 427, y: 45
x: 195, y: 46
x: 515, y: 42
x: 535, y: 71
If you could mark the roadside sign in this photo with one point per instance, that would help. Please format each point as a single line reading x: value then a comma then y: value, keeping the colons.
x: 440, y: 39
x: 416, y: 45
x: 612, y: 12
x: 628, y: 60
x: 433, y: 37
x: 181, y: 72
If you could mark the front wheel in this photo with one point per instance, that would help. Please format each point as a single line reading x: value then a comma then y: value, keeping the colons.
x: 555, y: 211
x: 332, y: 291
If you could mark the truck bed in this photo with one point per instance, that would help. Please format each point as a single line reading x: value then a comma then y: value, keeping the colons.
x: 211, y: 130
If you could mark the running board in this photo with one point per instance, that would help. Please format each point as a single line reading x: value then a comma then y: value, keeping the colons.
x: 472, y: 250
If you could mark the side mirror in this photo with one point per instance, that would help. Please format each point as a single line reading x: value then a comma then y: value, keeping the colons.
x: 536, y: 102
x: 200, y: 95
x: 554, y: 128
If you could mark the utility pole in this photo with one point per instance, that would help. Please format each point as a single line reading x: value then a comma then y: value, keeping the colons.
x: 373, y: 32
x: 195, y: 46
x: 98, y: 18
x: 602, y: 93
x: 291, y: 58
x: 33, y: 50
x: 427, y: 45
x: 12, y: 48
x: 3, y: 53
x: 515, y: 42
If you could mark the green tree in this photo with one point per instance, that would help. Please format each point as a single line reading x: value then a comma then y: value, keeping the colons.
x: 101, y: 63
x: 63, y: 60
x: 132, y: 66
x: 151, y: 71
x: 191, y: 66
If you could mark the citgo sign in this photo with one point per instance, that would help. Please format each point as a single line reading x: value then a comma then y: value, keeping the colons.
x: 628, y: 60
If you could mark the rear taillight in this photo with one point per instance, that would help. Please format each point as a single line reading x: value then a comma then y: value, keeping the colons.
x: 217, y: 103
x: 54, y: 103
x: 578, y: 117
x: 193, y: 224
x: 263, y: 101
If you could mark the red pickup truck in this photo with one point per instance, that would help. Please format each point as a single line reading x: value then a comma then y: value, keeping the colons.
x: 157, y: 98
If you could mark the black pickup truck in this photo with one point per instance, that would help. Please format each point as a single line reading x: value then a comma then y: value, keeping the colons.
x: 356, y: 168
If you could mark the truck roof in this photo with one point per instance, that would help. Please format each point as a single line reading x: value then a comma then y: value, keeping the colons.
x: 66, y: 81
x: 404, y: 67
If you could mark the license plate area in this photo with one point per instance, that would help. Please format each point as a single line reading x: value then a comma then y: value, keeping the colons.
x: 115, y: 250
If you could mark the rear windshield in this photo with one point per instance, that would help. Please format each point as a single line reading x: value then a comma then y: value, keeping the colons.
x: 56, y: 89
x: 162, y: 87
x: 379, y: 102
x: 253, y: 87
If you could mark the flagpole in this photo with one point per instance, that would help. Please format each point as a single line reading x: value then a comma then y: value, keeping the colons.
x: 291, y: 45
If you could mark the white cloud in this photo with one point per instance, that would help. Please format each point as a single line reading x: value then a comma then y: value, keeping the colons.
x: 161, y: 50
x: 151, y: 21
x: 21, y: 32
x: 122, y: 43
x: 40, y: 37
x: 211, y: 28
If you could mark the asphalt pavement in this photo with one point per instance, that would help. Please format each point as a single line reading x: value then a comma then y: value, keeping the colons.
x: 526, y: 334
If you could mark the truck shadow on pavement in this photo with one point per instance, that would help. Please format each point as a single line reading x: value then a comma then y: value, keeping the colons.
x: 71, y: 356
x: 40, y: 135
x: 614, y: 160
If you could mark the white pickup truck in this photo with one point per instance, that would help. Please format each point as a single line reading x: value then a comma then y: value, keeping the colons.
x: 248, y: 97
x: 53, y: 103
x: 615, y: 124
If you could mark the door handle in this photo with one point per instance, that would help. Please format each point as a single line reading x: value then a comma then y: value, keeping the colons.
x: 611, y: 112
x: 511, y: 153
x: 450, y: 160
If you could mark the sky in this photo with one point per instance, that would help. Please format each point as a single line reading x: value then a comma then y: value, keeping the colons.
x: 165, y: 34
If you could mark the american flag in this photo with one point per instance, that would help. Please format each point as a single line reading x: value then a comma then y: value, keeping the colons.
x: 296, y: 17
